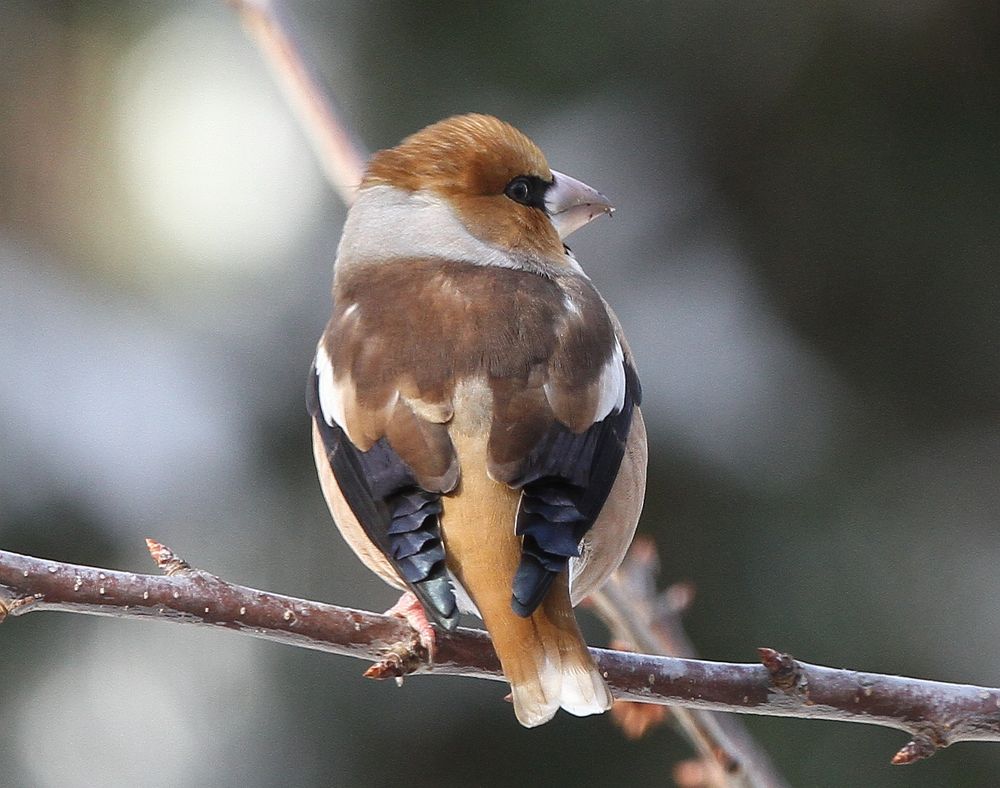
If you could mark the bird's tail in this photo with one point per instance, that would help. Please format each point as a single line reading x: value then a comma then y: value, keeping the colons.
x: 543, y: 656
x: 548, y: 665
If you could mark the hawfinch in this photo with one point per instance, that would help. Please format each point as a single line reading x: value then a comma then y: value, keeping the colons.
x: 475, y: 406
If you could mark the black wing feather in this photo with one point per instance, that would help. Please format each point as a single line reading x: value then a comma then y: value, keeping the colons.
x: 566, y: 481
x: 401, y: 518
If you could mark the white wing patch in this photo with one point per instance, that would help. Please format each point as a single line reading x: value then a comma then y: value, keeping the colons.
x: 607, y: 395
x: 331, y: 400
x: 612, y: 385
x: 332, y: 395
x: 338, y: 403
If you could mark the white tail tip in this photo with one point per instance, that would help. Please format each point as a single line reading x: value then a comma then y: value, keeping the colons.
x: 578, y: 689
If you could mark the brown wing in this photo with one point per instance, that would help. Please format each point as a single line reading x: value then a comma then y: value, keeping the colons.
x: 603, y: 548
x: 565, y: 481
x: 605, y: 544
x: 397, y: 510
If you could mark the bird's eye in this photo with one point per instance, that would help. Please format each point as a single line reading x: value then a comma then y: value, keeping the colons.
x: 519, y: 190
x: 528, y: 190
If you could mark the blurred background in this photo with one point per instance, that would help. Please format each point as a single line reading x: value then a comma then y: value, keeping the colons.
x: 805, y: 259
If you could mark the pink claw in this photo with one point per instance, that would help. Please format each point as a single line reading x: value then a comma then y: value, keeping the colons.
x: 412, y: 612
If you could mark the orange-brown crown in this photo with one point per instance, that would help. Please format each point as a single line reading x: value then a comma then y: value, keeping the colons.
x: 468, y: 154
x: 470, y: 160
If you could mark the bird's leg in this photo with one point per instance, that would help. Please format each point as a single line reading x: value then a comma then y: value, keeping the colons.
x: 404, y: 657
x: 412, y: 612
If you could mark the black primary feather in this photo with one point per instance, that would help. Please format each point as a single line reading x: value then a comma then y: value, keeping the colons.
x: 401, y: 518
x: 566, y: 481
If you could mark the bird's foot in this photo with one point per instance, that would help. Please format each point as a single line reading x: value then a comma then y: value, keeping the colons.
x: 412, y: 612
x: 404, y: 658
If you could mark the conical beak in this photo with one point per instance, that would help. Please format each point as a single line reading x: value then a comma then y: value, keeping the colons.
x: 571, y: 203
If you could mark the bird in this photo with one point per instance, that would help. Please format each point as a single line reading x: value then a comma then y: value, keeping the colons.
x: 475, y: 405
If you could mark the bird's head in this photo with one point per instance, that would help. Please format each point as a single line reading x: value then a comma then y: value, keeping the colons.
x: 494, y: 180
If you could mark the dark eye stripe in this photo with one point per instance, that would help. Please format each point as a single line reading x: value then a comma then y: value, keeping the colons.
x: 527, y: 190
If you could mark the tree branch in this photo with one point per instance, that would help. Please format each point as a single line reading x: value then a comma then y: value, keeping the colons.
x: 935, y: 714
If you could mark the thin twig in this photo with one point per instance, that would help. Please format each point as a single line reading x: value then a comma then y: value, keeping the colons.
x: 935, y: 714
x: 339, y: 152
